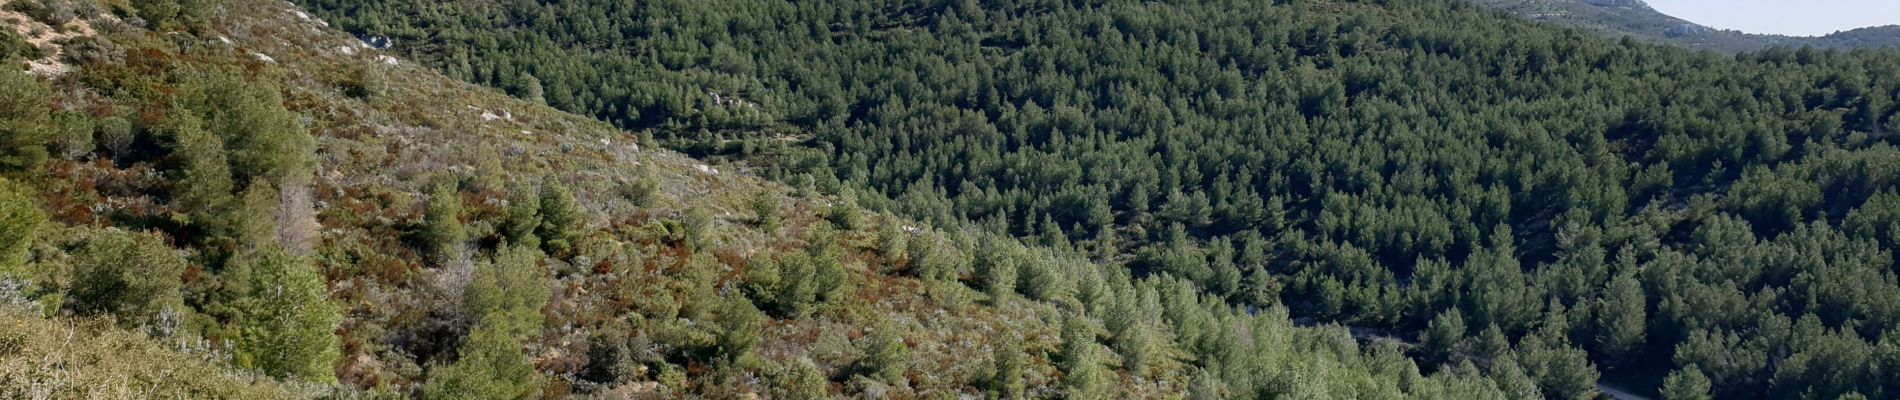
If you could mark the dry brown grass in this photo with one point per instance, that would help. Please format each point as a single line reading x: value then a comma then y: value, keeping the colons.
x: 68, y: 358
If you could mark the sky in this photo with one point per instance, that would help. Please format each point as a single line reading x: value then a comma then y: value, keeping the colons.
x: 1784, y: 17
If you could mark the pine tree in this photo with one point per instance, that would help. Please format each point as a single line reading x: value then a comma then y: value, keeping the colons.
x: 116, y: 135
x: 288, y: 324
x: 524, y: 218
x: 205, y: 185
x: 765, y: 211
x: 1562, y: 371
x: 1081, y: 363
x: 491, y: 367
x: 20, y: 222
x: 1444, y: 337
x: 265, y: 141
x: 1492, y: 344
x: 24, y: 118
x: 886, y: 357
x: 442, y: 227
x: 250, y: 221
x: 996, y: 267
x: 1006, y: 375
x: 531, y: 90
x: 560, y: 218
x: 509, y: 293
x: 1513, y: 381
x: 73, y: 135
x: 1135, y: 337
x: 697, y: 229
x: 741, y: 326
x: 1687, y: 383
x: 1621, y: 320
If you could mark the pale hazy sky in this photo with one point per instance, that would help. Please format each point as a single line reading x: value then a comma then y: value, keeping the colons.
x: 1784, y: 17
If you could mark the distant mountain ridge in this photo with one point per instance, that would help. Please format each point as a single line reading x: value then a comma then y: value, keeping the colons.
x: 1635, y: 18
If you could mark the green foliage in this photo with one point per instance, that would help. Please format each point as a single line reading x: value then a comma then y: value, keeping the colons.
x: 75, y: 358
x: 697, y: 228
x: 1512, y: 379
x: 204, y: 183
x: 509, y: 292
x: 288, y: 324
x: 886, y: 356
x: 1006, y: 375
x: 1621, y: 320
x: 73, y: 134
x: 1562, y: 371
x: 20, y: 222
x: 364, y: 81
x: 162, y: 13
x: 116, y: 135
x: 643, y: 188
x: 442, y: 229
x: 1118, y: 121
x: 491, y: 366
x: 609, y: 361
x: 250, y: 221
x: 132, y: 276
x: 1877, y: 219
x: 530, y: 89
x: 524, y: 218
x: 1223, y: 148
x: 845, y: 214
x: 265, y: 141
x: 995, y: 266
x: 765, y: 211
x: 741, y: 326
x: 24, y: 119
x: 1687, y: 383
x: 1081, y: 360
x: 1445, y: 337
x: 12, y: 46
x: 561, y: 218
x: 798, y: 380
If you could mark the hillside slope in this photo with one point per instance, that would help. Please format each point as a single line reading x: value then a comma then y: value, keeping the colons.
x: 1667, y: 219
x: 1617, y: 18
x: 238, y: 178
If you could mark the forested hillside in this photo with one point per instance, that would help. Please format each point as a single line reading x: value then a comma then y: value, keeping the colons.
x: 229, y: 199
x: 1634, y: 18
x: 1500, y: 191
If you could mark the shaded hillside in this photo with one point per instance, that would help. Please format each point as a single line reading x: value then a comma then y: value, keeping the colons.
x: 1636, y: 19
x: 235, y: 185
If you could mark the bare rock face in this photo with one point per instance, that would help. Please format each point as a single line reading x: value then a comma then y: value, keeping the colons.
x: 1617, y: 3
x: 1688, y: 30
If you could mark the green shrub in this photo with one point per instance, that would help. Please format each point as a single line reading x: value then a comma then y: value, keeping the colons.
x: 886, y: 356
x: 132, y: 276
x: 73, y: 134
x: 20, y: 223
x: 491, y: 367
x: 115, y: 135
